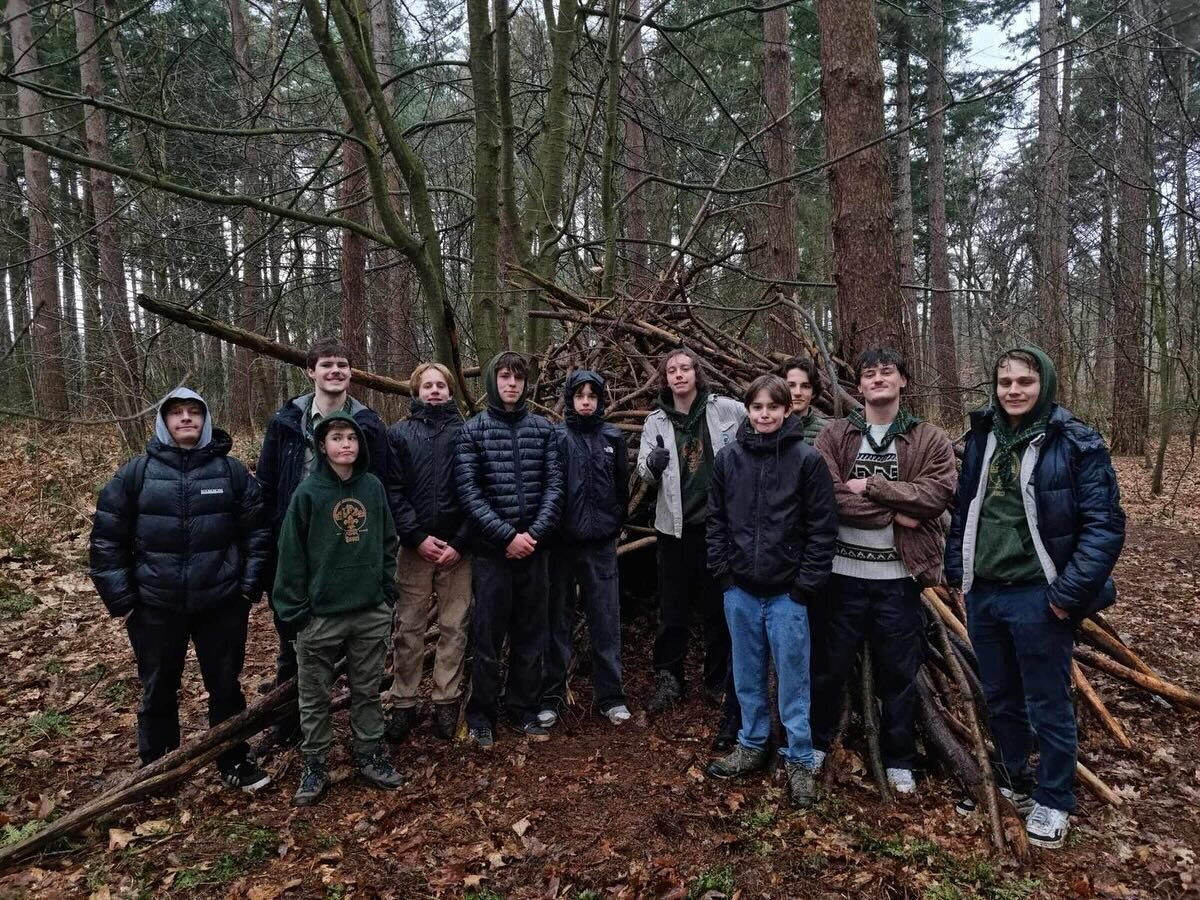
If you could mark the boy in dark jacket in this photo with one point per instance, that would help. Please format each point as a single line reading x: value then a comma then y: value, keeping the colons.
x: 179, y: 549
x: 510, y: 486
x: 335, y: 587
x: 772, y: 523
x: 289, y: 454
x: 1037, y: 529
x: 595, y: 466
x: 433, y: 537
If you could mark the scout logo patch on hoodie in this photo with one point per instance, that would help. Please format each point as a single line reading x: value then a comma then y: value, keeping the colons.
x: 350, y: 516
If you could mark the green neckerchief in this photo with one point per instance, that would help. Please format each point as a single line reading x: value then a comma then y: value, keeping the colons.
x: 1008, y: 441
x: 903, y: 422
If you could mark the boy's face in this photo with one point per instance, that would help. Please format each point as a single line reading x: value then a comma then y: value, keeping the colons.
x: 1017, y: 388
x: 881, y: 385
x: 801, y: 389
x: 341, y: 445
x: 433, y: 388
x: 185, y: 421
x: 331, y: 374
x: 586, y: 400
x: 766, y: 413
x: 509, y: 385
x: 681, y: 375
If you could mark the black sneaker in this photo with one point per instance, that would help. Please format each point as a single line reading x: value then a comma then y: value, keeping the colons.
x: 534, y: 731
x: 314, y: 779
x: 376, y: 769
x: 481, y: 737
x: 726, y: 734
x: 1023, y: 802
x: 401, y: 724
x: 245, y: 776
x: 742, y: 761
x: 801, y: 785
x: 667, y: 692
x: 445, y: 720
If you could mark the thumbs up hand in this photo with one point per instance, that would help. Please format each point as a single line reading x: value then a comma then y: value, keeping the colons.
x: 658, y: 459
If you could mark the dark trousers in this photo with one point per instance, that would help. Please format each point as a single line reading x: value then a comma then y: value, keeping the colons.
x: 593, y: 567
x: 510, y: 601
x: 160, y: 641
x: 887, y: 615
x: 287, y: 729
x: 684, y: 584
x: 1024, y: 654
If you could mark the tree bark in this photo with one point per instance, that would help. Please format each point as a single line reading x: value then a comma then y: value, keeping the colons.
x: 485, y: 283
x: 354, y: 252
x: 636, y: 224
x: 870, y: 307
x: 1050, y: 269
x: 906, y: 254
x: 1130, y: 413
x: 942, y: 300
x: 50, y: 384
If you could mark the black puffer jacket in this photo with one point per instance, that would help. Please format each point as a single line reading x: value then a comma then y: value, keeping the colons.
x: 595, y: 464
x: 421, y: 488
x: 507, y: 472
x: 180, y: 540
x: 772, y: 516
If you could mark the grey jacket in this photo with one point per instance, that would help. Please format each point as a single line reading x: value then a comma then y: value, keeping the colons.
x: 723, y: 417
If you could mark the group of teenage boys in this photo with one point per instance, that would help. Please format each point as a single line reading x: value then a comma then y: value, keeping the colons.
x: 798, y: 541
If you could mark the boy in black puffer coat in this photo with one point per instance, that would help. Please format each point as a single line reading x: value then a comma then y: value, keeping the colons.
x: 180, y: 548
x: 595, y: 466
x: 511, y: 488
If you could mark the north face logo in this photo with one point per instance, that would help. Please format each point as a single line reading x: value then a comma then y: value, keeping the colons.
x: 608, y: 450
x: 212, y: 491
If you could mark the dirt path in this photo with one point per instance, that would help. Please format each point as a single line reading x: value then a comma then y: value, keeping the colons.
x: 596, y: 812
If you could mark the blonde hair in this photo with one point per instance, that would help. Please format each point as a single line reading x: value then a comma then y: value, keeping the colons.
x: 422, y: 368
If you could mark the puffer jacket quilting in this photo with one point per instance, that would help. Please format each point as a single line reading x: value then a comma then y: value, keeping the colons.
x: 183, y: 542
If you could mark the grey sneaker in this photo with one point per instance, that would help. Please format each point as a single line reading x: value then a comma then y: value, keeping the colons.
x: 818, y: 760
x: 742, y: 761
x: 667, y: 692
x: 801, y: 784
x: 534, y: 731
x: 618, y: 715
x: 902, y: 781
x: 481, y: 737
x: 1047, y: 827
x: 547, y: 718
x: 1023, y: 803
x: 314, y: 779
x: 376, y: 769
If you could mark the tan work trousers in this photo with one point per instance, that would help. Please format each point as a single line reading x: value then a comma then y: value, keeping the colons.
x: 418, y: 581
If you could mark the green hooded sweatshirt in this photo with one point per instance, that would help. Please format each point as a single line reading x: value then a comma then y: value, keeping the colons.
x: 337, y: 546
x: 693, y: 445
x: 1004, y: 549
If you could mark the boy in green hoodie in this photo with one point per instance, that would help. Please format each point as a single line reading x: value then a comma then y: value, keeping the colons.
x: 335, y: 586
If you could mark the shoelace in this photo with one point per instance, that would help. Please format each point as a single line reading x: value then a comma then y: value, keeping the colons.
x: 1040, y: 818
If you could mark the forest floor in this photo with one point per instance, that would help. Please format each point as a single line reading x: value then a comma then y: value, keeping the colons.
x: 595, y: 812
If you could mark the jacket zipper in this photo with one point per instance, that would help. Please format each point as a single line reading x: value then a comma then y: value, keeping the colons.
x: 516, y: 445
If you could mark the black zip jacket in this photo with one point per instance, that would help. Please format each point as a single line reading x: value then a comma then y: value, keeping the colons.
x: 421, y: 488
x: 595, y: 464
x: 182, y: 540
x: 772, y: 516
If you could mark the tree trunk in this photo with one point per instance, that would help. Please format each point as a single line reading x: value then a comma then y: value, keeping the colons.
x: 1049, y: 270
x: 637, y: 224
x: 782, y: 250
x: 870, y: 307
x: 124, y: 367
x: 608, y: 164
x: 50, y: 384
x: 354, y: 253
x: 944, y: 342
x: 485, y: 283
x: 1130, y: 413
x: 906, y: 255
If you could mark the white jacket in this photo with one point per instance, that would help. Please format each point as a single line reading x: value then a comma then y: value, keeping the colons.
x: 723, y: 416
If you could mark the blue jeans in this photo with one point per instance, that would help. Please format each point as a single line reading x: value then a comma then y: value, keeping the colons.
x: 1024, y: 654
x: 777, y: 626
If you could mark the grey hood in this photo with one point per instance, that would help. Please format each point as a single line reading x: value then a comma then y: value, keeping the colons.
x: 160, y: 425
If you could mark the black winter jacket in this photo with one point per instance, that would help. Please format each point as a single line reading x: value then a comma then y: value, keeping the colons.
x: 280, y: 466
x: 421, y: 489
x: 1079, y: 516
x: 182, y: 541
x: 772, y: 516
x: 508, y: 475
x: 595, y: 461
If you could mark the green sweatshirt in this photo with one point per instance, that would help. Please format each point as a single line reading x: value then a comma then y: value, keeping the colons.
x: 1004, y: 549
x: 693, y: 445
x: 337, y: 546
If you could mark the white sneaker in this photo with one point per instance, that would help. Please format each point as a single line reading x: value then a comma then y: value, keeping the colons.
x: 547, y: 718
x: 818, y: 760
x: 618, y: 714
x: 1047, y: 827
x: 902, y: 781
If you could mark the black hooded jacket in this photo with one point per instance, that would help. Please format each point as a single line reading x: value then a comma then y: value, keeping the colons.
x: 772, y: 516
x: 179, y: 537
x: 421, y: 488
x: 507, y: 472
x: 595, y: 464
